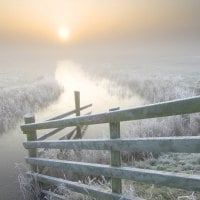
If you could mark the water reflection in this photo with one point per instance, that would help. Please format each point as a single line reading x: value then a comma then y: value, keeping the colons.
x: 72, y: 77
x: 103, y: 94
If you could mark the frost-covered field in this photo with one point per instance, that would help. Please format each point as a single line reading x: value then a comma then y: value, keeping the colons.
x: 156, y: 86
x: 18, y: 100
x: 21, y: 92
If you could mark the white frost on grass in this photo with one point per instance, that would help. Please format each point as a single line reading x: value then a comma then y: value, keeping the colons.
x: 17, y: 101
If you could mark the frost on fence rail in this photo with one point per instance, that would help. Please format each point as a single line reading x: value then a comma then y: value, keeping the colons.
x: 170, y: 108
x: 187, y: 144
x: 78, y: 187
x: 171, y: 179
x: 173, y: 144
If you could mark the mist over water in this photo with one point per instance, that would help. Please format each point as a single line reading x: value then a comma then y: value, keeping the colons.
x: 116, y: 53
x: 106, y: 81
x: 27, y: 90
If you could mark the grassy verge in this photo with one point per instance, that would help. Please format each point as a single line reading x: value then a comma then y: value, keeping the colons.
x: 19, y: 100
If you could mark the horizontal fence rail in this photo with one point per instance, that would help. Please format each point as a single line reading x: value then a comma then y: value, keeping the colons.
x: 78, y: 187
x: 184, y: 144
x: 160, y: 144
x: 176, y: 107
x: 176, y: 180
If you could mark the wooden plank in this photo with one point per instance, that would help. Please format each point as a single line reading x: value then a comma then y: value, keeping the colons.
x: 83, y: 130
x: 115, y: 160
x: 78, y: 112
x: 31, y: 136
x: 77, y: 102
x: 68, y: 135
x: 62, y: 115
x: 187, y: 144
x: 78, y: 187
x: 176, y: 180
x: 176, y: 107
x: 86, y: 106
x: 68, y: 113
x: 51, y: 133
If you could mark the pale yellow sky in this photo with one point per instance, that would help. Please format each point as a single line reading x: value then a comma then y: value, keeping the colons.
x: 87, y: 20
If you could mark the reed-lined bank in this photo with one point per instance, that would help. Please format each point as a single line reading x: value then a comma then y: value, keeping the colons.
x: 17, y: 100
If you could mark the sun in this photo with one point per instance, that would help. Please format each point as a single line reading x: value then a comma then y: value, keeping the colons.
x: 64, y: 33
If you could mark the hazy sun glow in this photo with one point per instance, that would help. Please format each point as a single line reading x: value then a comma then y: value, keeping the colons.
x: 96, y: 21
x: 64, y: 33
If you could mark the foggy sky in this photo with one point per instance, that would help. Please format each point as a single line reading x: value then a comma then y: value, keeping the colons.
x: 94, y: 21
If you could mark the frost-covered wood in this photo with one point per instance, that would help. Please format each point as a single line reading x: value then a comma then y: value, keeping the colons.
x: 78, y: 112
x: 176, y: 107
x: 115, y: 155
x: 176, y: 180
x: 187, y: 144
x: 31, y: 136
x: 68, y: 135
x: 51, y: 133
x: 78, y: 187
x: 161, y: 144
x: 68, y: 113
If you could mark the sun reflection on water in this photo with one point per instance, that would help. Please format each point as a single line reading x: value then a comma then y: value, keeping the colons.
x: 102, y: 93
x: 73, y: 78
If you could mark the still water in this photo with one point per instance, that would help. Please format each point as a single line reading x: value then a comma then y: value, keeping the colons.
x: 71, y: 77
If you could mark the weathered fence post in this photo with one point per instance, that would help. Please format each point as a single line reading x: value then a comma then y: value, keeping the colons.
x: 78, y: 113
x: 115, y: 155
x: 31, y: 135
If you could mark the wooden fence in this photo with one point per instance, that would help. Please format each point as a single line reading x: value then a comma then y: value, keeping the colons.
x: 115, y: 145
